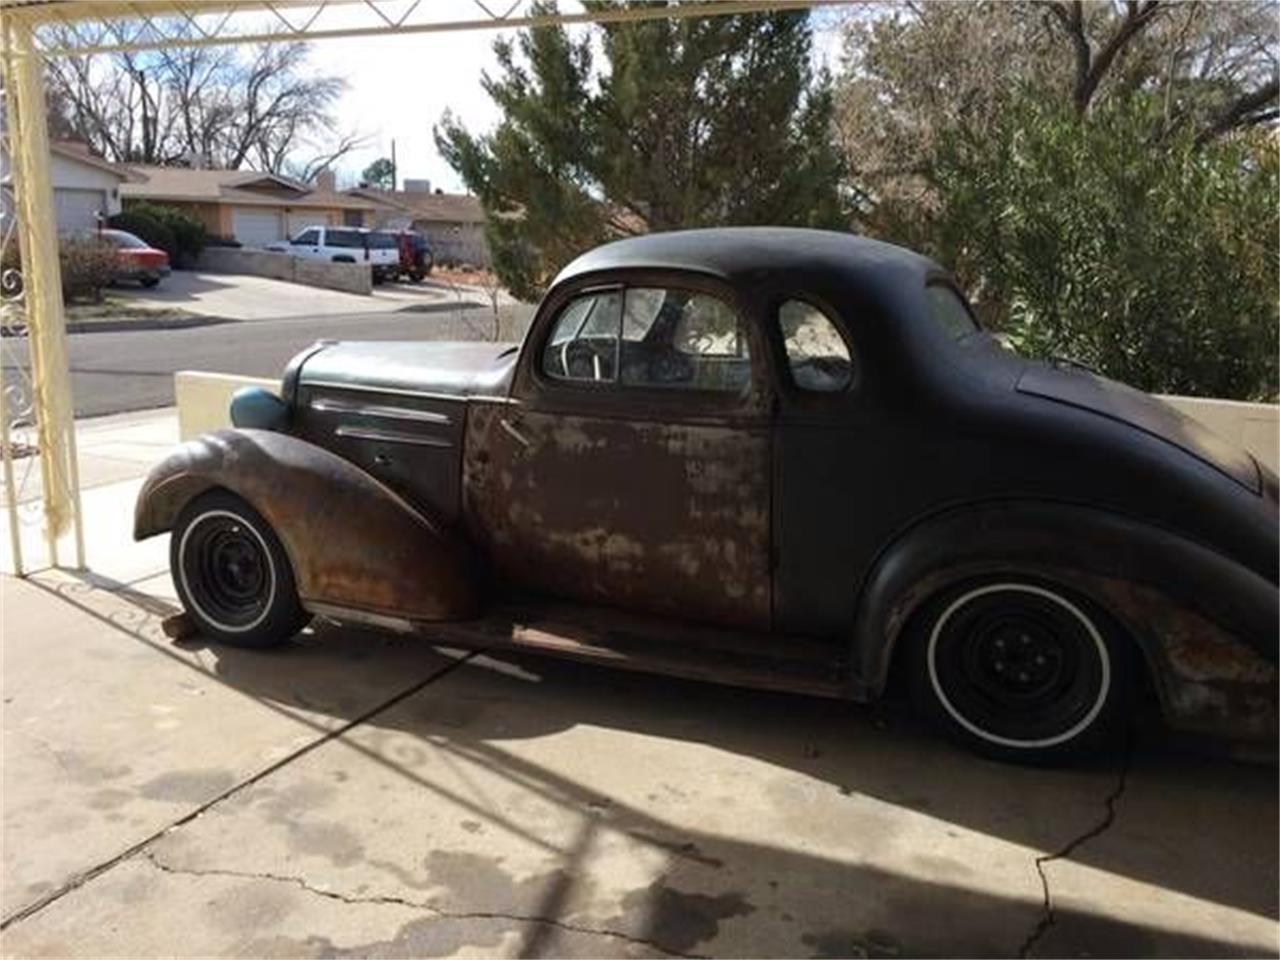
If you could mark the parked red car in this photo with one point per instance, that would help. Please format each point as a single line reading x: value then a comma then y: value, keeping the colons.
x: 138, y: 261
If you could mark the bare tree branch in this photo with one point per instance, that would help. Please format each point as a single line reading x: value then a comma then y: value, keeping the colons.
x: 1092, y: 66
x: 221, y: 107
x: 1250, y: 109
x: 346, y: 143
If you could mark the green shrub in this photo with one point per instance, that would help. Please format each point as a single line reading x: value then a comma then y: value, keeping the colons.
x: 145, y: 227
x: 1155, y: 263
x: 189, y: 236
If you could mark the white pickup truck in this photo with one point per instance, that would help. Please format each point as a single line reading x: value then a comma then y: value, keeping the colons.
x: 348, y: 245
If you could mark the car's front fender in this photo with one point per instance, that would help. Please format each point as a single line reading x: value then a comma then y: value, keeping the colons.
x: 1205, y: 625
x: 356, y: 547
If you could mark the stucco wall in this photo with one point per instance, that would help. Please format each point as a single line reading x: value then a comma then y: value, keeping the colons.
x: 1254, y: 426
x: 204, y: 399
x: 69, y: 175
x: 351, y: 277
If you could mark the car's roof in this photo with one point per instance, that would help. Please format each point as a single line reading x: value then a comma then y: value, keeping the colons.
x: 735, y: 252
x: 109, y: 232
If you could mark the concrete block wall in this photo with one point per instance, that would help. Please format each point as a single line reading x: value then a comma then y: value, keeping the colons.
x: 349, y: 277
x: 204, y: 399
x: 1254, y: 426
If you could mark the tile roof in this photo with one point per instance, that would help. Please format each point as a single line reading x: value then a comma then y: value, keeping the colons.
x: 449, y: 207
x: 232, y: 186
x: 82, y: 155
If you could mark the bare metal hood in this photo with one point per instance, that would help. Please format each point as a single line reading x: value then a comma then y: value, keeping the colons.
x: 433, y: 367
x: 1109, y: 398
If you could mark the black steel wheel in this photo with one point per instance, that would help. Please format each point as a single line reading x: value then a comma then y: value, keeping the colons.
x: 232, y: 574
x: 1020, y: 670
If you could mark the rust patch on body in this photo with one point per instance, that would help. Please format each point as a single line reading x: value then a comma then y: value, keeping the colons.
x: 352, y: 542
x: 667, y: 518
x: 1209, y: 681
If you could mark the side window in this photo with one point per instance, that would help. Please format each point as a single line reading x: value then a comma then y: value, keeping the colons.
x: 308, y: 238
x: 816, y: 353
x: 680, y: 339
x: 583, y: 344
x: 344, y: 238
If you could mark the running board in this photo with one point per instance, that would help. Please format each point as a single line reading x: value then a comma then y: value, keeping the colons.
x: 650, y: 645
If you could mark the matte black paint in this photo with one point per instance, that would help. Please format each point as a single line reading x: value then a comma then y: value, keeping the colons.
x: 944, y: 459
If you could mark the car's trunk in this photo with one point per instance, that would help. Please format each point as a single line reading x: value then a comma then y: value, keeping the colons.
x: 1109, y: 398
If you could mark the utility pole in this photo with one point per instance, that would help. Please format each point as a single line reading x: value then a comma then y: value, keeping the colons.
x: 393, y: 164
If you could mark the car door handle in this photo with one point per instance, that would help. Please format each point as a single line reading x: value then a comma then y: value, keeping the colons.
x: 511, y: 425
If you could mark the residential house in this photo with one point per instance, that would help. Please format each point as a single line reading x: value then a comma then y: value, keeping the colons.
x: 452, y: 222
x: 254, y: 208
x: 85, y: 187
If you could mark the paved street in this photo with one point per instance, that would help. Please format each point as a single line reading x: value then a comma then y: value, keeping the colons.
x: 359, y: 794
x: 132, y: 370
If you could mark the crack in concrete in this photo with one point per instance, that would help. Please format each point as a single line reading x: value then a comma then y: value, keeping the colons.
x: 1047, y: 915
x: 384, y: 899
x: 129, y: 853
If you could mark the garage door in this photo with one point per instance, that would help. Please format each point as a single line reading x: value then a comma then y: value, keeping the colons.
x: 77, y: 210
x: 300, y: 221
x: 255, y: 227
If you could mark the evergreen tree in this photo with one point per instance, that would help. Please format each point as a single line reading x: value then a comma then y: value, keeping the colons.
x: 685, y: 123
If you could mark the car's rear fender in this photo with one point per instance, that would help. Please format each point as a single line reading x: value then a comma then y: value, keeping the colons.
x: 1205, y: 625
x: 356, y: 547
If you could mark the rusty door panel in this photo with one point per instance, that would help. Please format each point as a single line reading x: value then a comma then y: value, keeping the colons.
x: 670, y: 518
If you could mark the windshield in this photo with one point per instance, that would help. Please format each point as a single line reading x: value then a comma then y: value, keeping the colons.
x: 126, y: 241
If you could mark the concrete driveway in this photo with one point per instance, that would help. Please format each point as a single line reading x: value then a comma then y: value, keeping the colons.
x: 366, y: 795
x: 237, y: 297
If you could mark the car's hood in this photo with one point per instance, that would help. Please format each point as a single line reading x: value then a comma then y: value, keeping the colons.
x: 452, y: 369
x: 1143, y: 411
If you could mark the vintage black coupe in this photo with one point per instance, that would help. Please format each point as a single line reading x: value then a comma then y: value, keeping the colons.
x: 775, y: 458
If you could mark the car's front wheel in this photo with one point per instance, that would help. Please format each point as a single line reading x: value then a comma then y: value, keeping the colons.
x: 232, y: 574
x: 1021, y: 670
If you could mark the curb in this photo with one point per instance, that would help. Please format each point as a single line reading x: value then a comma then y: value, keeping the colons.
x: 138, y: 323
x: 439, y: 307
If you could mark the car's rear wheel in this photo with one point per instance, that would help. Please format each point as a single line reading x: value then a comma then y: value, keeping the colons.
x: 232, y: 574
x: 1021, y: 670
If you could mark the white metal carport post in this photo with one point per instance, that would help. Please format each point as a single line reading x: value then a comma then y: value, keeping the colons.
x: 42, y: 293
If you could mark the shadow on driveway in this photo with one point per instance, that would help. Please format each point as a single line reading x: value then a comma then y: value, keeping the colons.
x: 1199, y: 826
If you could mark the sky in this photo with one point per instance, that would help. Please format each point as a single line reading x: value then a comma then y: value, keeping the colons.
x: 400, y: 86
